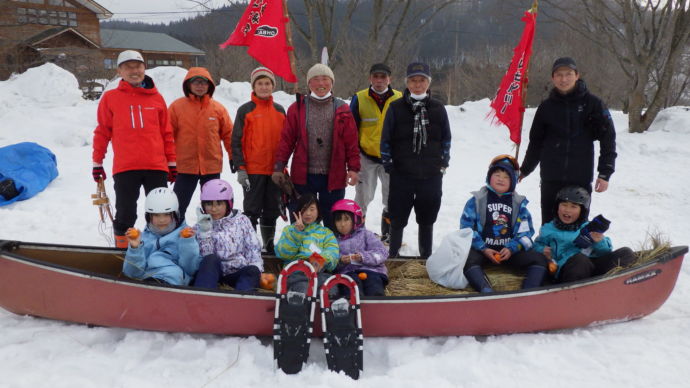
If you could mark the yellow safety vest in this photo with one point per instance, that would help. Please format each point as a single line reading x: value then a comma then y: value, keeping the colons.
x: 371, y: 123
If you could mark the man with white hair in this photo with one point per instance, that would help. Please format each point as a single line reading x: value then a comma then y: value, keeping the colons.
x: 134, y: 117
x: 415, y: 148
x: 321, y: 136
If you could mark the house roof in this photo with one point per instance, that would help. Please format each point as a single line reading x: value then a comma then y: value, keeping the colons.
x: 53, y: 32
x: 145, y: 41
x: 98, y: 9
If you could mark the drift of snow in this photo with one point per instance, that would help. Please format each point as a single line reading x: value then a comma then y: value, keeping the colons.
x: 647, y: 194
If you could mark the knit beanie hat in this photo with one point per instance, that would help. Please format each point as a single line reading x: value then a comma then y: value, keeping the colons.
x: 262, y: 72
x: 320, y: 69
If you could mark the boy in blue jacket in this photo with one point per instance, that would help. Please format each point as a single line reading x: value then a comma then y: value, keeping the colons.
x: 166, y: 252
x: 502, y: 228
x: 578, y: 247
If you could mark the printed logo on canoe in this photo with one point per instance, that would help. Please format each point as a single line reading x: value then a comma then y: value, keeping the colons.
x: 266, y: 31
x: 641, y: 277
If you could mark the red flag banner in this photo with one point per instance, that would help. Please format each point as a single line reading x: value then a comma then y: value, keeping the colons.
x: 508, y: 105
x: 262, y: 29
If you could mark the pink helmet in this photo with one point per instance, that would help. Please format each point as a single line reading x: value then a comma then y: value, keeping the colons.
x: 217, y: 190
x: 350, y: 206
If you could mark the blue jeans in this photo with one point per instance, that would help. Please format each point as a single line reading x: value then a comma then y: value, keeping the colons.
x: 210, y: 274
x: 317, y: 184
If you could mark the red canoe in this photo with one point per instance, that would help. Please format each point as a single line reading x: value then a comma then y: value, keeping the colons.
x: 82, y: 285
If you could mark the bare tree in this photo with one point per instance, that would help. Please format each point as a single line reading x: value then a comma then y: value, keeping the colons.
x: 646, y: 37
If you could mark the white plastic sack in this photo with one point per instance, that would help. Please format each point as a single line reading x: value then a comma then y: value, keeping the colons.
x: 445, y: 266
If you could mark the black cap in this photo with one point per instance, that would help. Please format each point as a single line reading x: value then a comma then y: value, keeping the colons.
x: 563, y: 62
x: 380, y: 68
x: 418, y: 68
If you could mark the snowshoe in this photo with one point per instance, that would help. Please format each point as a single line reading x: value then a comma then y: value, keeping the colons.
x: 341, y: 320
x: 294, y: 315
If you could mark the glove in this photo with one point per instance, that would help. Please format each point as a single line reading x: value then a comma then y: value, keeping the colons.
x: 204, y: 222
x: 172, y: 173
x: 584, y: 239
x: 388, y: 167
x: 599, y: 224
x: 278, y: 178
x: 98, y: 173
x: 243, y: 179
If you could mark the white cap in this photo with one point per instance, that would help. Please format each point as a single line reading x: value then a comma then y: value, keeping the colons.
x: 129, y: 55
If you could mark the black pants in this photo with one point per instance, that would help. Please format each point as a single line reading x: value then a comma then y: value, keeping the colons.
x: 405, y: 193
x: 521, y: 259
x: 185, y: 185
x: 549, y: 190
x: 580, y: 266
x: 262, y: 200
x: 317, y: 184
x: 127, y: 185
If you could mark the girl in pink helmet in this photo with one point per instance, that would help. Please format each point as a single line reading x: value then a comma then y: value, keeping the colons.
x: 361, y: 251
x: 229, y: 245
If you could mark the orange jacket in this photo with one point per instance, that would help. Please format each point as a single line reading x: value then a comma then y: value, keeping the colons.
x: 135, y: 119
x: 256, y: 135
x: 199, y: 126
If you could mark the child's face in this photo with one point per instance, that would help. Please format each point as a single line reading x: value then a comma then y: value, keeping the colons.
x: 216, y: 209
x: 344, y: 224
x: 568, y: 212
x: 310, y: 214
x: 500, y: 181
x: 161, y: 220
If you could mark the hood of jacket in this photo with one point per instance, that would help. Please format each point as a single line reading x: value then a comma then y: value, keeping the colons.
x: 198, y: 72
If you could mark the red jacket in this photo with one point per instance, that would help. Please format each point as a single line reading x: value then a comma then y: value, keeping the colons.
x: 136, y: 121
x: 344, y: 151
x: 199, y: 126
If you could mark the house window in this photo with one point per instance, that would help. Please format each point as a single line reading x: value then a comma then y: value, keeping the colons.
x: 42, y: 20
x: 178, y: 63
x: 109, y: 63
x: 21, y: 11
x: 151, y: 62
x: 46, y: 17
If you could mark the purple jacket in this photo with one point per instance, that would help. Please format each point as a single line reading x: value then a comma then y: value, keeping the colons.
x: 367, y: 244
x: 234, y: 241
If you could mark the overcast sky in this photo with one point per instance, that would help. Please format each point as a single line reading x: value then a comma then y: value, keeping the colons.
x: 154, y: 11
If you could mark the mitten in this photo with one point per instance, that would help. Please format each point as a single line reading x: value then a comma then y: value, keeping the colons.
x: 98, y: 173
x: 204, y: 223
x: 278, y: 178
x: 172, y: 173
x: 599, y: 224
x: 243, y: 179
x: 584, y: 239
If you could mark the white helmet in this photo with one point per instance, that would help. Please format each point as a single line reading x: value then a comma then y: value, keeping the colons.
x: 161, y: 200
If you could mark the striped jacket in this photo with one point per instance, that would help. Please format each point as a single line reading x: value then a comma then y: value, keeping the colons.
x: 296, y: 245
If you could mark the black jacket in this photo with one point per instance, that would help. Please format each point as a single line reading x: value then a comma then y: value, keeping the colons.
x: 562, y: 138
x: 396, y: 139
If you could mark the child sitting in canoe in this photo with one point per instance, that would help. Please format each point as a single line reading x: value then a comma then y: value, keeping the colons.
x: 362, y: 254
x: 307, y: 239
x: 578, y: 247
x: 166, y: 252
x: 229, y: 245
x: 502, y: 228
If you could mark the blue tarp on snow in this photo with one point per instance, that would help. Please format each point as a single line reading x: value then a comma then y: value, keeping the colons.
x: 31, y: 166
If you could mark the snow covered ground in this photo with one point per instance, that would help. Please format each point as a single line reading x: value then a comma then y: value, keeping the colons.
x: 647, y: 194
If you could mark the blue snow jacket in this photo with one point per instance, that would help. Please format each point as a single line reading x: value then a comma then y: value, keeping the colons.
x: 474, y: 217
x: 562, y: 243
x: 31, y: 166
x: 169, y: 258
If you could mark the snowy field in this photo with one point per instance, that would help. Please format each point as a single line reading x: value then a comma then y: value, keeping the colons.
x: 646, y: 194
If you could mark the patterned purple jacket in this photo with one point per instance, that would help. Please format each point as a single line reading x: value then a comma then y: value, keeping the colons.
x: 234, y: 241
x: 367, y: 244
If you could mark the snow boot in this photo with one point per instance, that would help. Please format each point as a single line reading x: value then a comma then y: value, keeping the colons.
x: 535, y: 276
x: 478, y: 280
x: 121, y: 241
x: 425, y: 238
x: 395, y: 241
x: 385, y: 228
x: 268, y: 234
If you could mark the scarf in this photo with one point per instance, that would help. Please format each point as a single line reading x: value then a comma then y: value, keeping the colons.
x: 421, y: 122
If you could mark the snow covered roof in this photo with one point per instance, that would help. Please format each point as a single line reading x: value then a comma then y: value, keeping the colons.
x: 145, y: 41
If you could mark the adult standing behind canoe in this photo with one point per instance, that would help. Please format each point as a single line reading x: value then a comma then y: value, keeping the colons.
x: 199, y: 124
x: 135, y: 118
x: 562, y: 137
x: 415, y: 148
x: 321, y: 135
x: 255, y: 138
x: 369, y: 108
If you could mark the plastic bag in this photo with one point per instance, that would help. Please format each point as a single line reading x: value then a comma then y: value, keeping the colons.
x: 445, y: 266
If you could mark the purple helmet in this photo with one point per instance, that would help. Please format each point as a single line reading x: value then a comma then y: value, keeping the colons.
x: 217, y: 190
x: 350, y: 206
